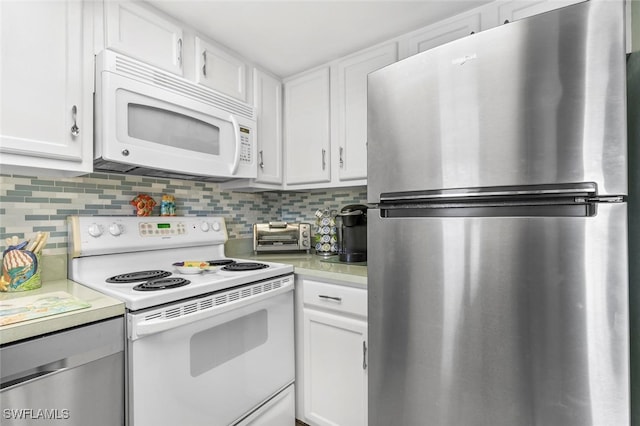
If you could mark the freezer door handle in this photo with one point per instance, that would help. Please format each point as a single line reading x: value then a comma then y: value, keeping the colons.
x: 584, y: 189
x: 612, y: 199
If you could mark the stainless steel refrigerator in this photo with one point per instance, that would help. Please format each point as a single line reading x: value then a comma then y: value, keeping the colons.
x: 497, y: 257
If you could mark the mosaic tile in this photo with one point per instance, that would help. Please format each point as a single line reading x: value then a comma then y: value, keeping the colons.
x: 35, y: 204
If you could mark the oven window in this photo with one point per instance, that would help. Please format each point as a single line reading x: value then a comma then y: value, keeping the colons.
x: 170, y: 128
x: 215, y: 346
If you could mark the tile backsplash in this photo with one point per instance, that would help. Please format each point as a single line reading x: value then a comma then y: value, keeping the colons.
x: 32, y: 204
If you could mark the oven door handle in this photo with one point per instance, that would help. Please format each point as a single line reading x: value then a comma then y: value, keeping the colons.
x: 141, y: 325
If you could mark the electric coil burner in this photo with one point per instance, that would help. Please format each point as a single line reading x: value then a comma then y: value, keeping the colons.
x: 244, y: 266
x: 162, y: 284
x: 220, y: 262
x: 132, y: 277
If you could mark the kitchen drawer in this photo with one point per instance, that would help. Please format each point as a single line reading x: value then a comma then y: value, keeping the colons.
x: 335, y: 297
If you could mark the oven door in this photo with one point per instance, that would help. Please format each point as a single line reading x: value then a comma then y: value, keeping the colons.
x: 142, y: 125
x: 213, y: 371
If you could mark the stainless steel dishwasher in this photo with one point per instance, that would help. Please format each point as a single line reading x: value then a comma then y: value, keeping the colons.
x: 75, y: 377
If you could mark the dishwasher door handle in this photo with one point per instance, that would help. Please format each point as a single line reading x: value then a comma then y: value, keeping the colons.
x: 31, y: 376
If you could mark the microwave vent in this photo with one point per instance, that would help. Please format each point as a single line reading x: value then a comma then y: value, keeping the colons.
x: 151, y: 75
x: 101, y: 165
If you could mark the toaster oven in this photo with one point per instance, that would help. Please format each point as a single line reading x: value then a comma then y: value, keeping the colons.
x: 281, y: 236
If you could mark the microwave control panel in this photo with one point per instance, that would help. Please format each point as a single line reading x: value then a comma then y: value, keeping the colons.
x: 245, y: 145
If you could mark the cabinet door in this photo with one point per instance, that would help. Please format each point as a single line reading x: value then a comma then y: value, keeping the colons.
x: 220, y: 70
x: 139, y: 32
x: 268, y: 103
x: 352, y: 108
x: 519, y: 9
x: 307, y: 128
x: 335, y: 369
x: 46, y: 116
x: 438, y: 34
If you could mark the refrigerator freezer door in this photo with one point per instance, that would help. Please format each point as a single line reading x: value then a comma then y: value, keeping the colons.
x: 499, y: 321
x: 533, y: 102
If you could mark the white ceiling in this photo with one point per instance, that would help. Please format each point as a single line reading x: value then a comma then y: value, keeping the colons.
x: 287, y: 37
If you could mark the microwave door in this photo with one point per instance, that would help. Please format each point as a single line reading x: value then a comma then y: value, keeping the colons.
x: 172, y: 132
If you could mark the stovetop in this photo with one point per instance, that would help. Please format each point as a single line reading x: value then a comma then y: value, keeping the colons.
x: 95, y: 261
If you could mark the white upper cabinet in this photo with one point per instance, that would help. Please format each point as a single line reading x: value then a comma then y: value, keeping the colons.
x: 220, y: 70
x: 268, y: 103
x: 351, y: 108
x: 307, y: 131
x: 143, y: 34
x: 513, y: 10
x: 441, y: 33
x: 46, y: 86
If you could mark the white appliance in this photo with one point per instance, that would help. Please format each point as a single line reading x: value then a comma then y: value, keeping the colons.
x: 211, y: 348
x: 151, y: 122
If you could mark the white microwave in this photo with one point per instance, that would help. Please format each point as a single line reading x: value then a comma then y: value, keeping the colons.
x: 151, y: 122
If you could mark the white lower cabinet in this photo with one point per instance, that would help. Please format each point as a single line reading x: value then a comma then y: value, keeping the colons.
x: 331, y: 354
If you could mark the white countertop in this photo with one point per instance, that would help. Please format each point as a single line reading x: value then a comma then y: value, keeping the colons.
x: 102, y: 307
x: 312, y: 265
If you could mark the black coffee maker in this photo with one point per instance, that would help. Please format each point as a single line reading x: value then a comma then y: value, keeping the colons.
x: 353, y: 235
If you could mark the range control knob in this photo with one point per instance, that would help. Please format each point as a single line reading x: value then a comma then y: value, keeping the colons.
x: 305, y: 234
x: 115, y: 229
x: 95, y: 230
x: 305, y: 243
x: 204, y: 226
x: 215, y: 226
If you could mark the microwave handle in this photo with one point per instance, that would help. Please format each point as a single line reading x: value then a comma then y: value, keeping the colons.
x: 236, y: 132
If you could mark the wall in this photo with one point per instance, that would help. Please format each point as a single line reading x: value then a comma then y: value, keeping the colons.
x: 32, y: 204
x: 635, y: 25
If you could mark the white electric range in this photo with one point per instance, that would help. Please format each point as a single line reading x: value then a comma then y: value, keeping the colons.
x: 214, y: 347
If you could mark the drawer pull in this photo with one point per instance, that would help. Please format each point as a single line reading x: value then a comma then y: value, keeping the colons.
x: 364, y: 355
x: 336, y: 299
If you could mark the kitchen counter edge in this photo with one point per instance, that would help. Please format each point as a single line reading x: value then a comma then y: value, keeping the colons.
x: 102, y: 307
